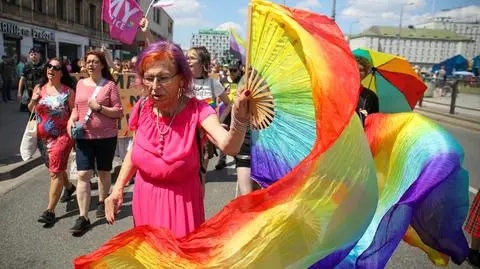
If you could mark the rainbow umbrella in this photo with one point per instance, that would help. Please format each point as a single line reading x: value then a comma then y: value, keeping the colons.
x: 394, y: 81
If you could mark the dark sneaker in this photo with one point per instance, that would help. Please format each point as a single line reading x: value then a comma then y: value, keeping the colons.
x: 100, y: 210
x: 221, y: 164
x: 81, y: 224
x: 47, y: 217
x: 67, y: 194
x: 474, y: 258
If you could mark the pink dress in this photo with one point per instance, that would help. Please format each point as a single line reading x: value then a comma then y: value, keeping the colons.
x: 168, y: 191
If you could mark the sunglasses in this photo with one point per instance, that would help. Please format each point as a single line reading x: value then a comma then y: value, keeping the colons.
x: 233, y: 70
x: 54, y: 67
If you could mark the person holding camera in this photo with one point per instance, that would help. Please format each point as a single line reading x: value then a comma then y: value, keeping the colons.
x: 53, y: 101
x: 93, y: 126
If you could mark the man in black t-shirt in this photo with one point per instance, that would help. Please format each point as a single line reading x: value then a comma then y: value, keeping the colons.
x: 368, y: 100
x: 32, y: 73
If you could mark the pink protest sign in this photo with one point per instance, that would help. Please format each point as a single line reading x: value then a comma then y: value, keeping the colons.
x: 123, y: 16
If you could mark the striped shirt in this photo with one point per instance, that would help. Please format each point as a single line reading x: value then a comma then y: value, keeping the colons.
x: 99, y: 125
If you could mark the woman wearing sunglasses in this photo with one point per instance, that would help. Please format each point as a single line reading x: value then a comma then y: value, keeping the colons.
x: 53, y: 101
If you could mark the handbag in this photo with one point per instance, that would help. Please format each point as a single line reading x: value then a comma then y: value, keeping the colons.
x: 73, y: 166
x: 25, y: 99
x: 28, y: 146
x: 78, y: 128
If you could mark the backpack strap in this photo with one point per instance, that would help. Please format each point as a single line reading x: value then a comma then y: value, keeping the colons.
x: 142, y: 102
x: 214, y: 98
x: 200, y: 153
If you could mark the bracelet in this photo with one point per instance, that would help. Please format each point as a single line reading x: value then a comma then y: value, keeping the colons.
x: 239, y: 126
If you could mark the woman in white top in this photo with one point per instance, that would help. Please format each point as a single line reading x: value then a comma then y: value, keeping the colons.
x: 208, y: 90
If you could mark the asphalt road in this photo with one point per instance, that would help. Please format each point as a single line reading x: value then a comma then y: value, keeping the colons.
x: 27, y: 244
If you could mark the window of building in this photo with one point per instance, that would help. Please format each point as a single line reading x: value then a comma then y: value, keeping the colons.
x: 60, y: 9
x: 93, y: 15
x: 38, y: 5
x: 15, y: 2
x: 156, y: 16
x: 78, y: 11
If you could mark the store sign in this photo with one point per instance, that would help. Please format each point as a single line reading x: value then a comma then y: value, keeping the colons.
x: 13, y: 29
x: 43, y: 35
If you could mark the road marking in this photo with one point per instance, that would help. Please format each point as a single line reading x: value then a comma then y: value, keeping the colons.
x: 472, y: 190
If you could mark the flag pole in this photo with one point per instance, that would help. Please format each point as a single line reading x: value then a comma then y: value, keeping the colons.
x: 148, y: 9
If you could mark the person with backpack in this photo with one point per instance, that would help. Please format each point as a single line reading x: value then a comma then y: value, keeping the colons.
x: 29, y: 78
x: 169, y: 125
x: 208, y: 90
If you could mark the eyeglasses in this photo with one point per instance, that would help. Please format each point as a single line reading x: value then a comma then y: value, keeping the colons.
x: 162, y: 80
x: 54, y: 67
x: 92, y: 62
x: 192, y: 59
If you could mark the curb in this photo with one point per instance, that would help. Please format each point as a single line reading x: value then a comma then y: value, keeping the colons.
x: 469, y: 124
x: 18, y: 170
x: 445, y: 114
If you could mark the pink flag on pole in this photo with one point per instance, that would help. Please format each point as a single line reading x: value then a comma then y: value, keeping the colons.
x: 123, y: 16
x: 162, y: 4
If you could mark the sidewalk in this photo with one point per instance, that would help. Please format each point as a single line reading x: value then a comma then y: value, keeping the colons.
x: 12, y: 126
x: 438, y: 108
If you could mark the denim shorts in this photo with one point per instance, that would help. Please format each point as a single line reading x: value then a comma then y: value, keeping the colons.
x: 95, y: 154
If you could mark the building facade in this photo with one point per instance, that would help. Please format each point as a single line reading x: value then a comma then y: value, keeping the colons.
x: 470, y: 29
x: 217, y: 42
x: 66, y: 28
x: 424, y: 47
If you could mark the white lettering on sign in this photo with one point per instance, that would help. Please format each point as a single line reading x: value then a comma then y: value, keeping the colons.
x: 115, y: 7
x: 13, y: 29
x: 43, y: 35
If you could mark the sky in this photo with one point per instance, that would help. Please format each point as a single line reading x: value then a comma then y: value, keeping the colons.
x: 353, y: 16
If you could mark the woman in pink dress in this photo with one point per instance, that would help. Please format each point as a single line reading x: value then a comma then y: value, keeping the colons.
x: 165, y: 153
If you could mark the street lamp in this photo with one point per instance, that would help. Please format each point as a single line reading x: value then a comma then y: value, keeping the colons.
x: 400, y: 24
x: 350, y: 30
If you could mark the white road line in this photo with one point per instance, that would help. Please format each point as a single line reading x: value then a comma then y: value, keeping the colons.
x: 472, y: 190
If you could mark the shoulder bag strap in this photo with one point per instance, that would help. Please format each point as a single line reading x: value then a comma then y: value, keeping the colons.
x: 94, y: 95
x: 213, y: 91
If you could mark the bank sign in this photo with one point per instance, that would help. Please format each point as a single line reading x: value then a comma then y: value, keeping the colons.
x: 17, y: 30
x: 13, y: 29
x: 43, y: 35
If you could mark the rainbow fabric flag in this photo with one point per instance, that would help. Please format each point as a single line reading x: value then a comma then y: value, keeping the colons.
x: 334, y: 196
x: 423, y: 192
x: 237, y: 46
x: 210, y: 102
